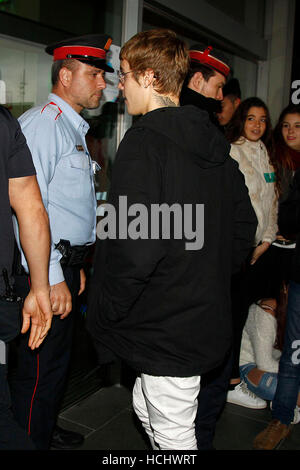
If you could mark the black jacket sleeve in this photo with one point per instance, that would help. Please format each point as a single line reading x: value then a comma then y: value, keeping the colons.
x: 289, y: 210
x: 14, y: 148
x: 245, y: 220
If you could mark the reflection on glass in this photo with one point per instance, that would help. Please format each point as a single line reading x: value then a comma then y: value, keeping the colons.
x: 25, y: 70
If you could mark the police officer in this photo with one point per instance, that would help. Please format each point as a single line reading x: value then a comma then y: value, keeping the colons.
x: 19, y: 190
x: 204, y: 83
x: 55, y: 133
x: 203, y: 88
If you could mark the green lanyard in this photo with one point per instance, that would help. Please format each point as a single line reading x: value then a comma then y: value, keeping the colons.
x: 270, y: 177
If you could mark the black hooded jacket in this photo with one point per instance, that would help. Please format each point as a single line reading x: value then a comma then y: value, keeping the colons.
x: 212, y: 106
x: 163, y: 308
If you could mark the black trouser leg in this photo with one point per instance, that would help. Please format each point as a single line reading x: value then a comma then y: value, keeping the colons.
x: 12, y: 436
x: 211, y: 400
x: 239, y: 308
x: 39, y: 383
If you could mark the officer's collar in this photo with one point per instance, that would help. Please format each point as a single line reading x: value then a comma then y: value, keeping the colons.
x: 76, y: 119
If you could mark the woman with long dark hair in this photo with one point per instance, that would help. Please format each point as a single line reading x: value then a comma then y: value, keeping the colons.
x: 250, y: 135
x: 286, y: 155
x: 286, y: 160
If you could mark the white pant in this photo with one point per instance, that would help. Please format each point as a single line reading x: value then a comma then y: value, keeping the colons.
x: 167, y: 408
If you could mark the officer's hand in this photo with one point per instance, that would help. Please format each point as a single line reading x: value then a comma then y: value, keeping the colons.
x: 82, y: 281
x: 37, y: 315
x: 61, y: 299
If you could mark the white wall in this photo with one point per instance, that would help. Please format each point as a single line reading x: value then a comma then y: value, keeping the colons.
x: 275, y: 73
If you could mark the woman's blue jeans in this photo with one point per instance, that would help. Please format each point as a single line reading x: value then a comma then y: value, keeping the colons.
x: 286, y: 394
x: 267, y: 386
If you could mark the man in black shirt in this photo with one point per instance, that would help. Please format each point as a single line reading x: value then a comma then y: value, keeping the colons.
x: 19, y: 191
x: 160, y: 304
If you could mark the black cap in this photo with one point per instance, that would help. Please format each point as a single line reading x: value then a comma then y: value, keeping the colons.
x: 90, y: 49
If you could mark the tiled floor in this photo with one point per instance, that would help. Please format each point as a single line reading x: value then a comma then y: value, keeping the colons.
x: 108, y: 423
x: 102, y: 411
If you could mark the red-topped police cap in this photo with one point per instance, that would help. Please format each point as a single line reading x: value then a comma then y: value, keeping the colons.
x: 212, y: 60
x: 90, y: 49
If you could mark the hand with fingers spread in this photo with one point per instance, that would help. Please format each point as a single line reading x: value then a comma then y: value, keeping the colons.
x: 37, y: 316
x: 61, y: 299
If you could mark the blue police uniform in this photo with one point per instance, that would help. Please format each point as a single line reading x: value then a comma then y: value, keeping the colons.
x: 55, y: 134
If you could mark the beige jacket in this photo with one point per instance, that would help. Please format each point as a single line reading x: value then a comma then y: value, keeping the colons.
x: 253, y: 161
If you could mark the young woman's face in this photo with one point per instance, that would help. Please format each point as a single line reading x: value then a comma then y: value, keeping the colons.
x: 291, y: 131
x: 255, y: 124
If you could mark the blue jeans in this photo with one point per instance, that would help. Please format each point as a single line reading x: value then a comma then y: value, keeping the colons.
x: 289, y: 366
x: 267, y: 386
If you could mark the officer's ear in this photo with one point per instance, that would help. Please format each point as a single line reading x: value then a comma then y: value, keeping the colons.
x: 196, y: 82
x: 65, y: 76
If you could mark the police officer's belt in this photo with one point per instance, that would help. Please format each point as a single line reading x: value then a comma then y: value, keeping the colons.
x: 72, y: 255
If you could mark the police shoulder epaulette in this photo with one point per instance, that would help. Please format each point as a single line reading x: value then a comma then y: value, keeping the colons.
x: 53, y: 108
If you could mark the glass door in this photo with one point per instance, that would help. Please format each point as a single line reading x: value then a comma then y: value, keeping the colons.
x: 25, y: 74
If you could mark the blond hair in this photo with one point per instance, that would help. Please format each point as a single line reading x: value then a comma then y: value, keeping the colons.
x: 162, y: 51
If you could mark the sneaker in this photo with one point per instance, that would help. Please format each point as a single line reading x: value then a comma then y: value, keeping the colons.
x: 296, y: 419
x: 272, y: 437
x: 242, y: 396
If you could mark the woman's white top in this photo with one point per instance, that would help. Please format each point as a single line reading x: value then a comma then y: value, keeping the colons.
x: 258, y: 340
x: 253, y: 160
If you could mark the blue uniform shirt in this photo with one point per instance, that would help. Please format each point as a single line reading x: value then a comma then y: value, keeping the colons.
x: 55, y: 134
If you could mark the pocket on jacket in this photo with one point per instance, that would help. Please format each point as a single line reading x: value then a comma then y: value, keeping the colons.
x: 75, y: 173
